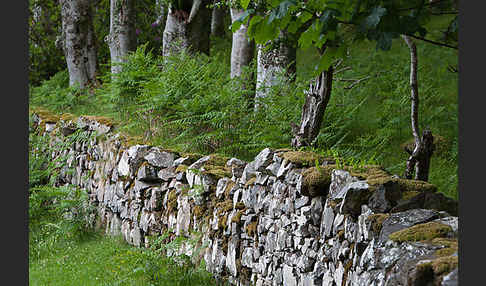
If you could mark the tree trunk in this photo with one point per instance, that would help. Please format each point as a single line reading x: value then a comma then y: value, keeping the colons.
x: 122, y: 37
x: 316, y: 100
x: 79, y: 41
x: 242, y: 49
x: 273, y: 58
x: 424, y: 147
x: 187, y: 27
x: 161, y: 14
x: 217, y: 21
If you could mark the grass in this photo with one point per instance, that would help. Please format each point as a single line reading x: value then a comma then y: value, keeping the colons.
x: 105, y: 260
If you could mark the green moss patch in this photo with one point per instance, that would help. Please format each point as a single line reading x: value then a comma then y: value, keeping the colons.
x: 251, y: 229
x: 423, y: 231
x: 181, y: 168
x: 250, y: 182
x: 305, y: 158
x: 237, y: 217
x: 216, y: 166
x: 316, y: 181
x: 450, y: 246
x: 376, y: 221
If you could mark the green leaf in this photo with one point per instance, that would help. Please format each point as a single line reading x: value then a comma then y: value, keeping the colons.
x: 238, y: 22
x: 310, y: 35
x: 384, y: 41
x: 244, y: 3
x: 329, y: 56
x: 374, y: 18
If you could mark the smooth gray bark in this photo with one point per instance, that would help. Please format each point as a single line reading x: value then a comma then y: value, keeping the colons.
x: 161, y: 14
x: 187, y: 28
x: 424, y: 146
x: 217, y: 21
x: 242, y: 49
x: 122, y: 38
x: 316, y: 100
x: 272, y: 60
x: 79, y: 41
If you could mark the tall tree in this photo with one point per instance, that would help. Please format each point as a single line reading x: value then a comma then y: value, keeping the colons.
x: 187, y: 27
x: 162, y: 10
x: 218, y: 14
x: 79, y: 41
x: 122, y: 38
x: 242, y: 47
x: 273, y: 59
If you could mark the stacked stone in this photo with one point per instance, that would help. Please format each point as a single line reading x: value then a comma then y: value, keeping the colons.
x: 258, y: 225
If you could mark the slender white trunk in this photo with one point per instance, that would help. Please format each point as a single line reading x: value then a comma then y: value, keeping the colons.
x: 424, y: 146
x: 242, y: 49
x: 161, y: 14
x: 272, y: 60
x: 122, y: 38
x: 79, y: 42
x: 187, y: 28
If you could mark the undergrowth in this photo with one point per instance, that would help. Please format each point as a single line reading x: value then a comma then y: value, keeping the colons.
x: 190, y: 104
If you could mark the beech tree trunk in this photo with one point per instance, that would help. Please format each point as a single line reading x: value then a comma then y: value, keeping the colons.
x: 217, y: 21
x: 424, y: 146
x: 122, y: 38
x: 274, y: 58
x: 316, y: 100
x: 79, y: 41
x: 161, y: 14
x: 242, y: 49
x: 187, y: 27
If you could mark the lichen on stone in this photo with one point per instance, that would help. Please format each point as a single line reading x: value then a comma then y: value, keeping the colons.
x: 423, y: 231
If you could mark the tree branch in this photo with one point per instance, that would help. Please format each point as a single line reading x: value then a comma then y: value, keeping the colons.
x: 432, y: 42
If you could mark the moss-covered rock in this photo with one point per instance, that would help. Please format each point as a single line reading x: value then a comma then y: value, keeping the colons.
x: 423, y: 231
x: 450, y: 246
x: 316, y: 181
x: 305, y: 158
x: 216, y: 166
x: 251, y: 229
x: 376, y: 221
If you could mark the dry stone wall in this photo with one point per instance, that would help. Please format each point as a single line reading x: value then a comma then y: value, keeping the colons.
x: 277, y: 220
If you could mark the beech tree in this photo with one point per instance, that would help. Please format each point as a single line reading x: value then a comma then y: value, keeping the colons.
x: 321, y: 23
x: 274, y: 58
x: 122, y: 37
x: 218, y: 13
x: 78, y: 41
x: 242, y: 47
x: 187, y: 27
x: 162, y: 10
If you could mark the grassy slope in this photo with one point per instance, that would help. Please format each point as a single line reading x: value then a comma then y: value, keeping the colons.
x: 104, y: 260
